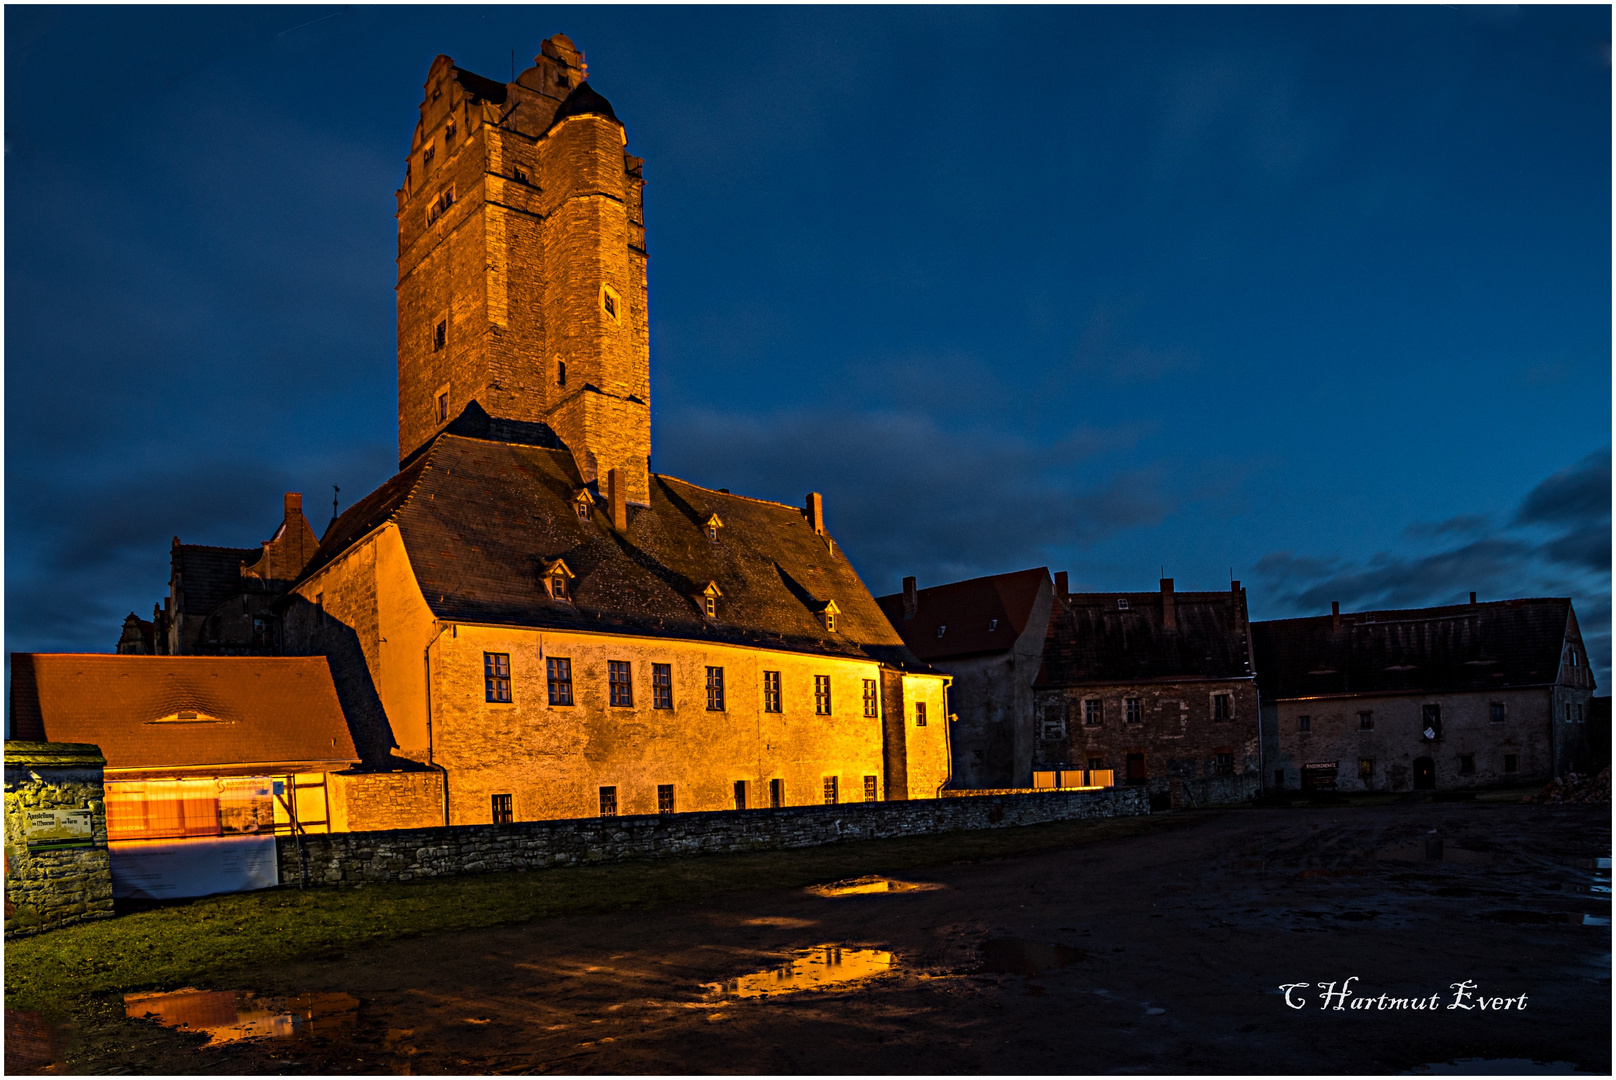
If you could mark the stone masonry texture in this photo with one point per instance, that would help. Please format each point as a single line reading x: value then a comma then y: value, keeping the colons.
x: 48, y: 889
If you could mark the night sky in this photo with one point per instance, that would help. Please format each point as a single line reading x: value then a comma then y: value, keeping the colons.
x: 1319, y: 295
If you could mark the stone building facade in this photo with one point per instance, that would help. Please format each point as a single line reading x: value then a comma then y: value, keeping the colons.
x: 1156, y: 686
x: 1454, y: 697
x: 57, y: 870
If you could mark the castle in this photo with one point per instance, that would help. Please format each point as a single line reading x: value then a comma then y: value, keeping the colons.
x: 525, y: 622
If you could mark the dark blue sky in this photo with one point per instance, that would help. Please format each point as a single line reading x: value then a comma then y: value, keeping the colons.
x: 1319, y: 294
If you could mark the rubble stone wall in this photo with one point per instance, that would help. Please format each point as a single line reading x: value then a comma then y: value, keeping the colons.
x: 47, y: 888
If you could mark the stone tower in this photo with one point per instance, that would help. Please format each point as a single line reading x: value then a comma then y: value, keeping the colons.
x: 521, y: 266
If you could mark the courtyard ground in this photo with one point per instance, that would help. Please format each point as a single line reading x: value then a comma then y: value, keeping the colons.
x: 1153, y: 946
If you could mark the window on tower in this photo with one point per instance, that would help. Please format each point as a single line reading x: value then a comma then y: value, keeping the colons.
x: 440, y: 335
x: 443, y: 407
x: 610, y: 302
x: 561, y: 373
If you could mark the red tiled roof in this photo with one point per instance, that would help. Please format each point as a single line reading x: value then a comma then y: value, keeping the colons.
x: 247, y: 709
x: 964, y: 611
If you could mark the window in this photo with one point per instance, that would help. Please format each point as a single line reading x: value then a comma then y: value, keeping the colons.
x: 1511, y: 762
x: 1091, y: 712
x: 1496, y: 712
x: 443, y: 407
x: 869, y: 789
x: 830, y: 791
x: 558, y: 673
x: 1366, y: 721
x: 661, y: 686
x: 664, y: 798
x: 1366, y: 768
x: 830, y: 621
x: 620, y: 683
x: 497, y: 676
x: 427, y: 155
x: 822, y: 695
x: 319, y: 609
x: 771, y: 691
x: 521, y: 175
x: 1096, y: 763
x: 941, y: 630
x: 777, y: 793
x: 609, y: 300
x: 1467, y: 764
x: 439, y: 205
x: 872, y: 705
x: 1573, y: 657
x: 920, y: 714
x: 740, y: 794
x: 1054, y: 725
x: 1433, y: 721
x: 1578, y: 712
x: 1222, y: 706
x: 709, y: 606
x: 440, y: 335
x: 558, y: 586
x: 1122, y: 603
x: 1224, y: 765
x: 263, y: 631
x: 608, y: 802
x: 449, y: 133
x: 1131, y: 710
x: 1304, y: 723
x: 993, y: 624
x: 583, y: 506
x: 561, y: 373
x: 502, y: 809
x: 715, y: 689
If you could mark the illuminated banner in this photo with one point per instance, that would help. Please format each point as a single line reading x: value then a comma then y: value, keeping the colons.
x: 169, y: 869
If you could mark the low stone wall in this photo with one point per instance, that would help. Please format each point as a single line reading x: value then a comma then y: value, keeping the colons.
x: 1216, y: 791
x: 57, y: 871
x: 363, y: 802
x: 406, y: 854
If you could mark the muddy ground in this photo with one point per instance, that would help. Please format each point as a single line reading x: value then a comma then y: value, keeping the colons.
x: 1159, y: 954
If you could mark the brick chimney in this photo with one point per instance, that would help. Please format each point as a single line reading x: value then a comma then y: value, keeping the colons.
x: 1169, y: 606
x: 1234, y: 586
x: 911, y: 598
x: 816, y: 512
x: 1060, y: 584
x: 1335, y: 616
x: 617, y: 499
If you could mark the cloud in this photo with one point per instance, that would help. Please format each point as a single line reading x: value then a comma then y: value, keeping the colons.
x: 1578, y: 495
x: 1102, y: 352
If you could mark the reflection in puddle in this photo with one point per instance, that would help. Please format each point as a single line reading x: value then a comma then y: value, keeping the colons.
x: 1434, y: 851
x: 1018, y: 956
x: 823, y: 965
x: 857, y: 886
x: 229, y: 1015
x: 781, y: 920
x: 1494, y: 1067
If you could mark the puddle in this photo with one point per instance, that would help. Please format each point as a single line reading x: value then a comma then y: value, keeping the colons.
x: 785, y: 921
x: 810, y: 969
x: 1435, y: 851
x: 230, y: 1015
x: 1018, y: 956
x: 861, y: 885
x: 1494, y: 1067
x: 33, y: 1044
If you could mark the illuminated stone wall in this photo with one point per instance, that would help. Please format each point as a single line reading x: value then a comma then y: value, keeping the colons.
x: 404, y: 855
x: 50, y: 888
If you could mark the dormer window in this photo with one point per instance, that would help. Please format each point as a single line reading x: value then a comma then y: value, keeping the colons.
x: 941, y: 630
x: 993, y: 624
x: 1122, y: 603
x: 556, y: 577
x: 827, y: 613
x: 709, y: 599
x: 582, y: 503
x: 712, y: 525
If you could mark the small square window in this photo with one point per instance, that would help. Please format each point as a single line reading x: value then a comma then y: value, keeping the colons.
x: 920, y: 714
x: 831, y: 797
x: 1222, y: 706
x: 1366, y: 768
x: 740, y: 794
x: 558, y: 673
x: 1511, y: 762
x: 993, y: 624
x: 609, y: 300
x: 661, y: 686
x: 872, y: 703
x: 822, y: 695
x: 1133, y: 711
x: 869, y: 789
x: 502, y: 810
x: 715, y: 689
x: 1224, y: 765
x: 664, y: 798
x: 497, y: 676
x: 1096, y: 763
x: 771, y: 691
x: 1467, y: 764
x: 1091, y: 712
x: 440, y: 335
x: 620, y: 683
x: 608, y: 802
x: 941, y: 630
x: 1304, y: 723
x: 777, y: 793
x: 521, y: 175
x: 1366, y: 721
x: 1496, y: 712
x: 1122, y: 603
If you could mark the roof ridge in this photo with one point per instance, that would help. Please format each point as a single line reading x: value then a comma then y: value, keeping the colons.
x: 729, y: 494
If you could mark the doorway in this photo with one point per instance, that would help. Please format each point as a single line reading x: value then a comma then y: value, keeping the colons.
x: 1424, y: 774
x: 1136, y: 768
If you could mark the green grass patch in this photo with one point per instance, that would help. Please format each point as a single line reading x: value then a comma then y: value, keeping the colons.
x: 234, y: 940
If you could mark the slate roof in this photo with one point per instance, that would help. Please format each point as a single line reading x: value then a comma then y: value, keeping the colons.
x: 583, y: 101
x: 1092, y: 639
x: 208, y: 575
x: 1462, y: 647
x: 480, y: 519
x: 249, y: 709
x: 964, y: 610
x: 477, y: 85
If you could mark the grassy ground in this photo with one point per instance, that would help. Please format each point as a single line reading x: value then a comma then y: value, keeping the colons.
x: 224, y: 940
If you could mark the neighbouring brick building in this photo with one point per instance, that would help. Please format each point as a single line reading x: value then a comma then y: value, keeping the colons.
x: 1446, y: 697
x: 988, y: 633
x: 1156, y: 686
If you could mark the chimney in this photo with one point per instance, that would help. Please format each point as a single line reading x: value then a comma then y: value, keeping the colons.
x: 1472, y: 598
x: 911, y: 599
x: 617, y: 500
x: 1335, y: 616
x: 1234, y: 586
x: 294, y: 505
x: 1060, y: 584
x: 816, y: 512
x: 1169, y: 608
